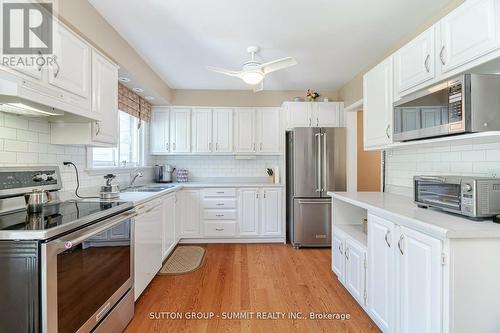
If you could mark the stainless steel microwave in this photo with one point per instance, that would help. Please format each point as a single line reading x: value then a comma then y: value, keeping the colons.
x: 465, y: 104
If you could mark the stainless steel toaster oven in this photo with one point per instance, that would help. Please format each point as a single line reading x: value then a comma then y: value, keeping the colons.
x: 474, y: 197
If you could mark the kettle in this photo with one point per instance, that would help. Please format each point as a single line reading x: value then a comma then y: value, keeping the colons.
x: 110, y: 191
x: 163, y: 173
x: 36, y: 199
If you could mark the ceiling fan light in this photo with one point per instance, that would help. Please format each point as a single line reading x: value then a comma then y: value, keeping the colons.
x: 252, y: 78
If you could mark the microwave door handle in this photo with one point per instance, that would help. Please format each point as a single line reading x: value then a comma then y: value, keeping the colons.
x: 432, y: 178
x: 66, y: 243
x: 318, y: 162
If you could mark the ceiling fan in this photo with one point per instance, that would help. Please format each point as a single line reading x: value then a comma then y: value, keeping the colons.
x: 254, y: 72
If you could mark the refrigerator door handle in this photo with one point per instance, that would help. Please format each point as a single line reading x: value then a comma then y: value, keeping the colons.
x: 325, y: 168
x: 318, y: 162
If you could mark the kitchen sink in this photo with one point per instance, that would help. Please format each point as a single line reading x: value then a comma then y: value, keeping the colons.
x: 147, y: 188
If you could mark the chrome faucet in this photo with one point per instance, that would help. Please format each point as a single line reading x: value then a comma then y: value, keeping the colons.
x: 138, y: 174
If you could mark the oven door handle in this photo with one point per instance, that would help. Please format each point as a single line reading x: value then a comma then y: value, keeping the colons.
x: 67, y: 242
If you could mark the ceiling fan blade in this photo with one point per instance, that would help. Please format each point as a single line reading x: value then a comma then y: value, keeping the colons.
x: 258, y: 87
x: 275, y: 65
x: 224, y: 71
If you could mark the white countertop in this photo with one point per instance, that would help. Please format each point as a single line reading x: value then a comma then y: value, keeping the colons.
x: 141, y: 197
x: 405, y: 212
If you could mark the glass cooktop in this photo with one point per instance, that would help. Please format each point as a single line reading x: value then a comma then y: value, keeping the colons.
x: 60, y: 214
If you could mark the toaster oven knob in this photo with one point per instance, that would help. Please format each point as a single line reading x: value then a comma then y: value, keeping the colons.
x: 467, y: 187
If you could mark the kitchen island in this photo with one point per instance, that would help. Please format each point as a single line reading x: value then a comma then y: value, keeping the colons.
x: 415, y: 269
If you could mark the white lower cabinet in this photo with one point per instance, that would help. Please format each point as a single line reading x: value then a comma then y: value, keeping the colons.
x: 381, y: 273
x: 188, y: 213
x: 249, y: 211
x: 419, y: 274
x: 355, y: 256
x: 169, y: 236
x: 147, y: 244
x: 338, y: 259
x: 271, y: 220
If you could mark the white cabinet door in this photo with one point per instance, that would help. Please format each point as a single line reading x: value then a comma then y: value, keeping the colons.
x: 168, y: 225
x: 377, y: 105
x: 355, y: 270
x: 269, y: 130
x: 202, y: 130
x: 105, y: 99
x: 338, y: 258
x: 298, y: 114
x: 468, y: 32
x: 71, y: 70
x: 249, y: 211
x: 419, y: 282
x: 271, y: 219
x: 160, y: 131
x: 180, y: 130
x: 147, y: 247
x: 223, y: 130
x: 414, y: 63
x: 325, y: 114
x: 188, y: 212
x: 244, y: 130
x: 380, y: 277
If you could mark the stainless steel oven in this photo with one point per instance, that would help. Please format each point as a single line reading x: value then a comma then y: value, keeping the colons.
x: 87, y: 275
x: 466, y: 103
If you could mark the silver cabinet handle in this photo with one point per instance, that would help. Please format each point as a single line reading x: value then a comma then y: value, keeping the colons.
x: 441, y: 55
x: 219, y: 204
x: 347, y: 253
x: 317, y: 121
x: 173, y: 146
x: 309, y: 121
x: 219, y: 229
x: 216, y: 146
x: 56, y: 73
x: 401, y: 238
x: 426, y: 63
x: 387, y: 238
x: 97, y: 128
x: 40, y: 65
x: 210, y: 146
x: 261, y: 146
x: 219, y: 215
x: 257, y: 195
x: 340, y: 250
x: 254, y: 146
x: 387, y: 131
x: 167, y: 146
x: 318, y: 162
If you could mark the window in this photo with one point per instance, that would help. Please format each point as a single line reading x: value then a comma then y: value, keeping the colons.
x: 130, y: 147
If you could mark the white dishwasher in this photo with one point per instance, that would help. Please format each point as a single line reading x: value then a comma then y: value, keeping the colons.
x: 147, y: 244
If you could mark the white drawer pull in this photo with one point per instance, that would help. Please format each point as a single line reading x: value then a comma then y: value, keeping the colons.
x: 220, y: 192
x: 220, y: 204
x: 219, y: 229
x: 219, y: 215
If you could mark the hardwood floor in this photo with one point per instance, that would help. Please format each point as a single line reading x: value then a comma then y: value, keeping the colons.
x: 251, y: 278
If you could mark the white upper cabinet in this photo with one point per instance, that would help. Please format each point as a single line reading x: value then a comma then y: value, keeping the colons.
x: 244, y: 130
x: 271, y: 212
x: 160, y: 131
x: 380, y: 280
x: 105, y: 99
x: 468, y: 32
x: 419, y: 282
x: 415, y: 62
x: 71, y: 70
x: 223, y: 130
x: 249, y: 211
x: 377, y: 105
x: 180, y: 130
x: 202, y: 130
x: 326, y: 114
x: 313, y: 114
x: 269, y: 134
x: 298, y: 114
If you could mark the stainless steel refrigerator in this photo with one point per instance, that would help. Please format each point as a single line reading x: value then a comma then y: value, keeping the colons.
x: 315, y: 164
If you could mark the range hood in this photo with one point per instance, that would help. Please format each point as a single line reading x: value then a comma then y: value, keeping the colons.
x: 30, y: 98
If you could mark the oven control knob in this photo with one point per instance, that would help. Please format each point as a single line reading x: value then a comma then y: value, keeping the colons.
x: 467, y: 187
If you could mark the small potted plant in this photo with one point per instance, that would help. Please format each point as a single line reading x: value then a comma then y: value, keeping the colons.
x: 311, y: 95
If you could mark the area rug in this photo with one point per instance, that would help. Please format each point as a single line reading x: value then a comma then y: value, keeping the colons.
x: 185, y: 259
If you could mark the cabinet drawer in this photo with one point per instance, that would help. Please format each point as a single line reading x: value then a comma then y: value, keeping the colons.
x: 219, y: 192
x: 219, y: 214
x: 220, y: 229
x: 219, y: 203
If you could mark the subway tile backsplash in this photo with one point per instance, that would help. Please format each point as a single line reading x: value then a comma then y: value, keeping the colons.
x: 482, y: 159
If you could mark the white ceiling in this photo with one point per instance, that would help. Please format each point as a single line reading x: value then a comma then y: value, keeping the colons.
x: 332, y: 40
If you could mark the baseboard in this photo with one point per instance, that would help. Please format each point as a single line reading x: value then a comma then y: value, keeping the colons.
x: 231, y: 240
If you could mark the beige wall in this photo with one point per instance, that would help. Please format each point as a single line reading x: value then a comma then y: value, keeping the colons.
x: 240, y: 97
x: 81, y: 16
x: 353, y: 90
